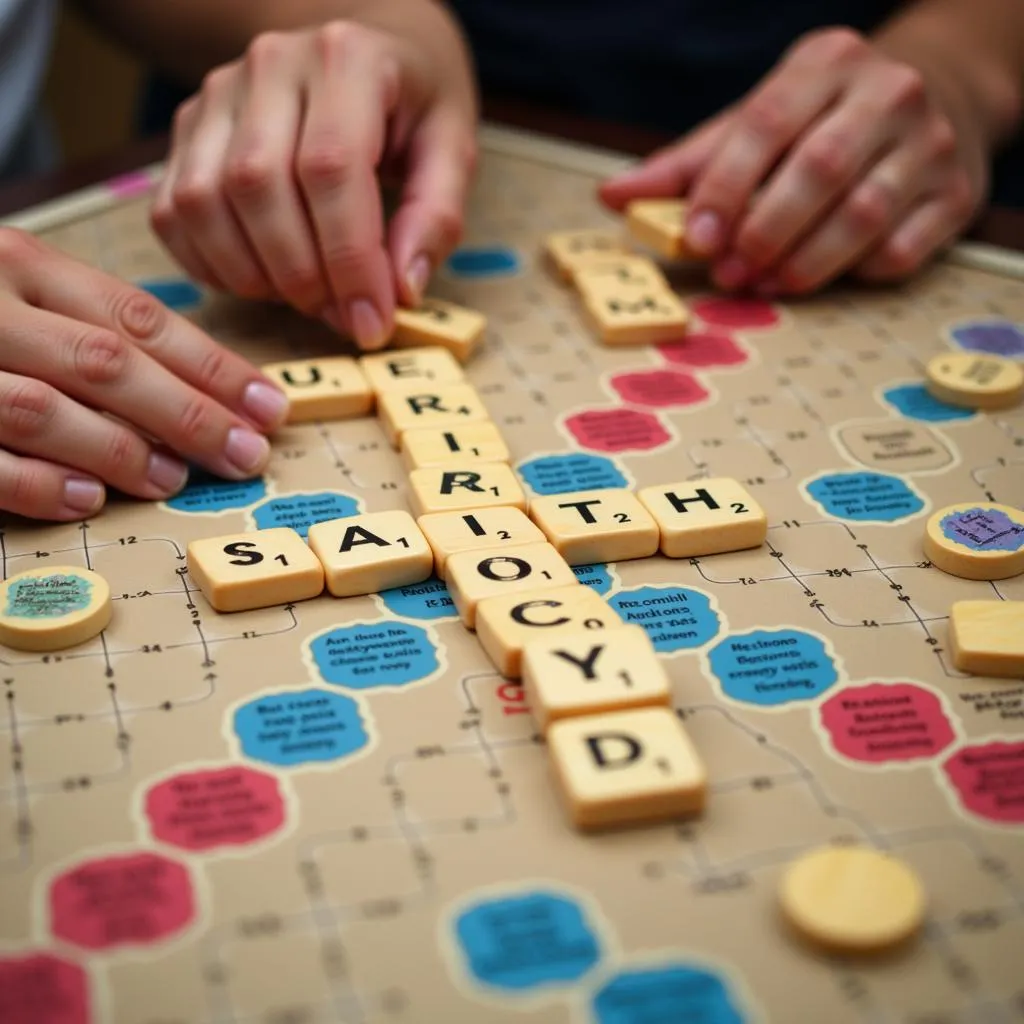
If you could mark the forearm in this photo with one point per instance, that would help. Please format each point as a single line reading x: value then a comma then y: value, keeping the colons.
x: 972, y: 50
x: 189, y: 37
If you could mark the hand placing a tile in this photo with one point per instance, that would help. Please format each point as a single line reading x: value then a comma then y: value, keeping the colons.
x: 863, y: 154
x: 101, y: 385
x: 272, y: 185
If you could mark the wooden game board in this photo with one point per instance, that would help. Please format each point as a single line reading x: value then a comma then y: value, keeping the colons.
x: 338, y: 812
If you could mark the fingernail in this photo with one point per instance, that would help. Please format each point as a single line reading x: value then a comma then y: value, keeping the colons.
x: 418, y: 275
x: 246, y: 450
x: 731, y: 273
x: 367, y: 326
x: 704, y: 231
x: 83, y: 495
x: 166, y: 473
x: 264, y: 403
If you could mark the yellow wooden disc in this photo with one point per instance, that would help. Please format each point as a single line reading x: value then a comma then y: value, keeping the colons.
x: 975, y: 381
x: 852, y: 899
x: 53, y: 607
x: 976, y: 540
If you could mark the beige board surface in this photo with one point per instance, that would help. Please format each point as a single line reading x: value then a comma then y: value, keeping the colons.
x: 319, y: 873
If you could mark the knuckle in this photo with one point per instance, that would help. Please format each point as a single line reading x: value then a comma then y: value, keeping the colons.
x: 250, y: 175
x: 211, y: 368
x: 325, y: 164
x: 99, y: 356
x: 195, y: 196
x: 28, y: 408
x: 346, y: 259
x: 827, y: 160
x: 767, y: 115
x: 139, y: 314
x: 217, y: 81
x: 15, y: 246
x: 837, y: 43
x: 869, y: 208
x: 121, y: 451
x: 267, y: 49
x: 194, y: 421
x: 337, y: 39
x: 906, y: 86
x: 29, y: 491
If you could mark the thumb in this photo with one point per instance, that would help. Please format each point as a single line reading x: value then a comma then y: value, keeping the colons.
x: 669, y: 171
x: 428, y: 222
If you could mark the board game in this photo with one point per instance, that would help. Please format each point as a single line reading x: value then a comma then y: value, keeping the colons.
x: 338, y: 811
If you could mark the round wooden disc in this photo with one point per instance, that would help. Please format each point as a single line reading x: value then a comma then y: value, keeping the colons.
x: 976, y: 540
x: 852, y: 899
x: 53, y: 607
x: 975, y: 381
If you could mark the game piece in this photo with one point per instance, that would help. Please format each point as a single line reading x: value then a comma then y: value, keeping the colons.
x: 623, y: 315
x: 569, y: 250
x: 659, y: 224
x: 986, y: 638
x: 626, y: 768
x: 621, y: 270
x: 411, y: 369
x: 331, y: 388
x: 242, y: 571
x: 596, y: 526
x: 976, y: 540
x: 53, y: 607
x: 851, y: 899
x: 975, y: 381
x: 589, y: 672
x: 369, y: 553
x: 705, y: 517
x: 450, y: 532
x: 441, y: 406
x: 453, y: 488
x: 472, y: 442
x: 506, y: 623
x: 437, y: 322
x: 473, y: 576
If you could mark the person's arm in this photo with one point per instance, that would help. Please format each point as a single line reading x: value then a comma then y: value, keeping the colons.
x: 188, y: 38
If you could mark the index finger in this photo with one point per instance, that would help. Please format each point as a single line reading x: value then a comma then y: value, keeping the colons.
x: 351, y: 93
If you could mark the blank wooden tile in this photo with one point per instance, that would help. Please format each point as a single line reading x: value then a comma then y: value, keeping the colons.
x: 472, y: 442
x: 589, y: 672
x: 473, y: 576
x: 568, y: 250
x: 437, y: 322
x: 450, y: 532
x: 411, y: 369
x: 441, y: 405
x: 705, y: 517
x: 659, y: 224
x: 505, y: 624
x: 600, y: 272
x: 626, y: 768
x: 596, y: 526
x: 986, y: 638
x: 456, y: 489
x: 331, y: 388
x: 370, y: 553
x: 627, y: 315
x: 241, y: 571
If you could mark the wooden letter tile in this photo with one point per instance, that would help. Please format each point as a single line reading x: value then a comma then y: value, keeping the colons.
x: 411, y: 370
x: 626, y: 315
x: 569, y: 250
x: 443, y: 406
x: 659, y: 224
x: 332, y: 388
x: 451, y: 532
x: 473, y: 442
x: 626, y: 768
x: 437, y: 322
x: 473, y: 576
x: 242, y: 571
x: 596, y: 526
x: 505, y: 624
x: 986, y: 638
x: 453, y: 488
x: 370, y: 553
x: 705, y: 517
x: 588, y: 672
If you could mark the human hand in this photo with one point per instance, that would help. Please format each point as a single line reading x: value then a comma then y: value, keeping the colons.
x: 101, y: 384
x: 271, y: 189
x: 842, y: 159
